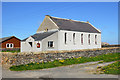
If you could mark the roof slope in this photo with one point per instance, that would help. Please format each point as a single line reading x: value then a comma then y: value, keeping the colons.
x: 72, y: 25
x: 5, y: 38
x: 40, y: 36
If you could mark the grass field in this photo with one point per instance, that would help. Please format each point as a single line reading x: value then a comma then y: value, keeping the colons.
x: 32, y: 66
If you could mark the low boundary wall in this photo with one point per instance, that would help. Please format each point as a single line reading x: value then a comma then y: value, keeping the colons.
x: 25, y: 58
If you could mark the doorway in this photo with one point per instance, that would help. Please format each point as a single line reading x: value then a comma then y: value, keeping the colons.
x: 30, y: 44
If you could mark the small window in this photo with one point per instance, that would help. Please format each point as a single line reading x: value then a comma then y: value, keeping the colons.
x: 9, y: 45
x: 30, y: 44
x: 65, y: 38
x: 46, y: 29
x: 89, y: 39
x: 73, y: 38
x: 50, y: 44
x: 38, y: 45
x: 82, y: 39
x: 95, y: 39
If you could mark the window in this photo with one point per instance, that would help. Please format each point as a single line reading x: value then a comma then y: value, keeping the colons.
x: 50, y: 44
x: 38, y: 45
x: 9, y: 45
x: 30, y: 43
x: 65, y: 38
x: 89, y: 39
x: 73, y: 38
x: 46, y: 30
x: 95, y: 39
x: 82, y: 39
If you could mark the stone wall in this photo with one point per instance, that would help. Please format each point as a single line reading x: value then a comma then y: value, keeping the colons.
x: 25, y: 58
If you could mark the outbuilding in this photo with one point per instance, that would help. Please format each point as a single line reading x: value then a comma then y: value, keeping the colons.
x: 9, y: 42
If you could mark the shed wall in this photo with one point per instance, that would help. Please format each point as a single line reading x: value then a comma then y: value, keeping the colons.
x: 13, y: 40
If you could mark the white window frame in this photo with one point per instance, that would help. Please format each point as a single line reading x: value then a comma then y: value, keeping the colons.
x: 95, y: 39
x: 89, y: 41
x: 82, y: 39
x: 49, y: 44
x: 9, y: 45
x: 65, y: 37
x: 74, y: 37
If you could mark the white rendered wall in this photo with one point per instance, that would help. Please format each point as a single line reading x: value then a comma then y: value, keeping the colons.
x: 54, y: 38
x: 25, y: 46
x: 59, y: 42
x: 70, y: 46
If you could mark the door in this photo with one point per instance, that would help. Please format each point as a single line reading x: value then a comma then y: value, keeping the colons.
x: 31, y: 46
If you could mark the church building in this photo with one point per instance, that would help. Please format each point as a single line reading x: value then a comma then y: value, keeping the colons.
x: 62, y: 34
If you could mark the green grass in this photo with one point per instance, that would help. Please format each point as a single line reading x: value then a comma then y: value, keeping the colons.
x: 32, y: 66
x: 112, y: 68
x: 13, y: 51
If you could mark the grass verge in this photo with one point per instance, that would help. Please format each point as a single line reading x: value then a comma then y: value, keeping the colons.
x: 32, y: 66
x: 113, y: 68
x: 13, y: 51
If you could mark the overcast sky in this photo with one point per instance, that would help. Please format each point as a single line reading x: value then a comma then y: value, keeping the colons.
x: 22, y: 19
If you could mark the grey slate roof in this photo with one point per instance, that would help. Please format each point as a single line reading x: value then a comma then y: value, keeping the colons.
x: 5, y: 38
x: 40, y: 36
x: 72, y: 25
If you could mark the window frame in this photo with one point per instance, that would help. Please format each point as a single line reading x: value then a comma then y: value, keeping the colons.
x: 81, y: 39
x: 38, y: 45
x: 89, y: 39
x: 96, y: 39
x: 65, y: 36
x: 74, y: 38
x: 49, y: 44
x: 9, y: 45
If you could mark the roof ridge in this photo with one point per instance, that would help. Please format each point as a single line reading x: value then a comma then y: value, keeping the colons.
x: 46, y: 32
x: 34, y: 36
x: 69, y: 19
x: 73, y: 25
x: 6, y: 37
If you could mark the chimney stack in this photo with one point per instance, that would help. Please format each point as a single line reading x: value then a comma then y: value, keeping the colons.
x: 87, y: 21
x: 47, y: 15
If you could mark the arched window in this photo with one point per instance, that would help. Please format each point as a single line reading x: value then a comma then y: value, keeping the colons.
x: 95, y: 39
x: 38, y: 45
x: 65, y: 38
x: 89, y: 39
x: 82, y: 39
x: 73, y: 38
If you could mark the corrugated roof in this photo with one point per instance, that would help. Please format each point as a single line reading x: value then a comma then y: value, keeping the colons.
x: 72, y: 25
x: 40, y: 36
x: 5, y: 38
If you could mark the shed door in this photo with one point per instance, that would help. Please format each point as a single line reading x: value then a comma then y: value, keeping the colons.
x: 31, y: 46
